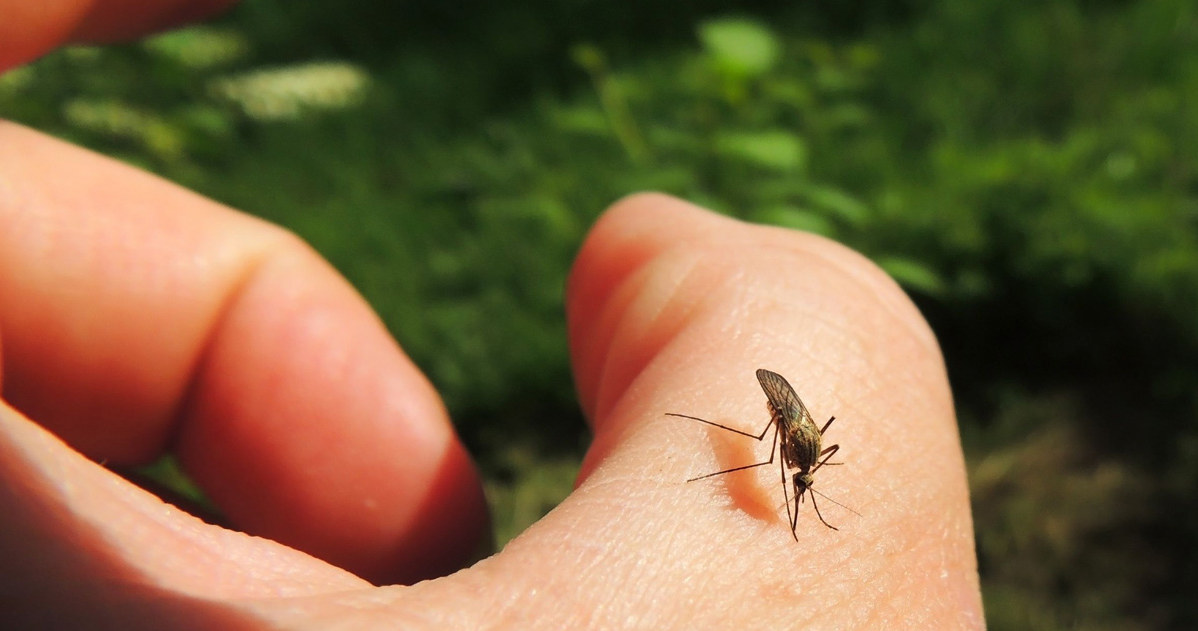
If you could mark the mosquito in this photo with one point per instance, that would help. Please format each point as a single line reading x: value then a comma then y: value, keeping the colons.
x: 796, y: 436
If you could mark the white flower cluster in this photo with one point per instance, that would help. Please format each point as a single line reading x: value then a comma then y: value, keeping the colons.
x: 286, y: 93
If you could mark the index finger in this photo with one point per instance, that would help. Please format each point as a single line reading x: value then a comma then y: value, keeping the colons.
x: 136, y: 316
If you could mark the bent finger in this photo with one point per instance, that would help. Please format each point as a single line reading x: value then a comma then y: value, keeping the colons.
x: 673, y: 309
x: 137, y: 316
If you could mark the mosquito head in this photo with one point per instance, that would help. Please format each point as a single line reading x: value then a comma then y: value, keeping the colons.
x: 802, y: 481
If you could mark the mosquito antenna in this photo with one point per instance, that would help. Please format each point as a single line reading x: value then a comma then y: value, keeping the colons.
x: 801, y: 499
x: 812, y: 489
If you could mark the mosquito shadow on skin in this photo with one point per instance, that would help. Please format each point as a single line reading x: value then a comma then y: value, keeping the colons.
x: 746, y: 490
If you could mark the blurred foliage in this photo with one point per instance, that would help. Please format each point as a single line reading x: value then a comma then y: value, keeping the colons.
x: 1080, y: 531
x: 1027, y: 170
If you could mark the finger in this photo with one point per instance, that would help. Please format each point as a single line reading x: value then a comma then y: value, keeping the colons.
x: 83, y: 549
x: 31, y: 29
x: 671, y: 309
x: 134, y: 313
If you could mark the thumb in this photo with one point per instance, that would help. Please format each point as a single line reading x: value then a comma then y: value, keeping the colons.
x: 672, y: 309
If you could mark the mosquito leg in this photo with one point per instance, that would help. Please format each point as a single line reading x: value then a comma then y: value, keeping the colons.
x: 820, y: 515
x: 821, y: 432
x: 742, y: 468
x: 756, y: 437
x: 792, y: 518
x: 830, y: 451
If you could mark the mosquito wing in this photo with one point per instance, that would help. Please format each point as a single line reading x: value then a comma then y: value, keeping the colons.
x: 783, y: 397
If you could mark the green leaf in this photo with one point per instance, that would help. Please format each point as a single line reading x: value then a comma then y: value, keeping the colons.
x: 912, y: 274
x: 776, y: 149
x: 797, y: 219
x: 582, y: 119
x: 839, y: 203
x: 200, y: 47
x: 740, y: 47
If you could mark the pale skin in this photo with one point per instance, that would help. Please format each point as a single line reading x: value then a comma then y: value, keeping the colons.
x: 136, y: 316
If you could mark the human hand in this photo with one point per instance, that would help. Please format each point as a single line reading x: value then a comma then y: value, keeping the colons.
x: 136, y: 316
